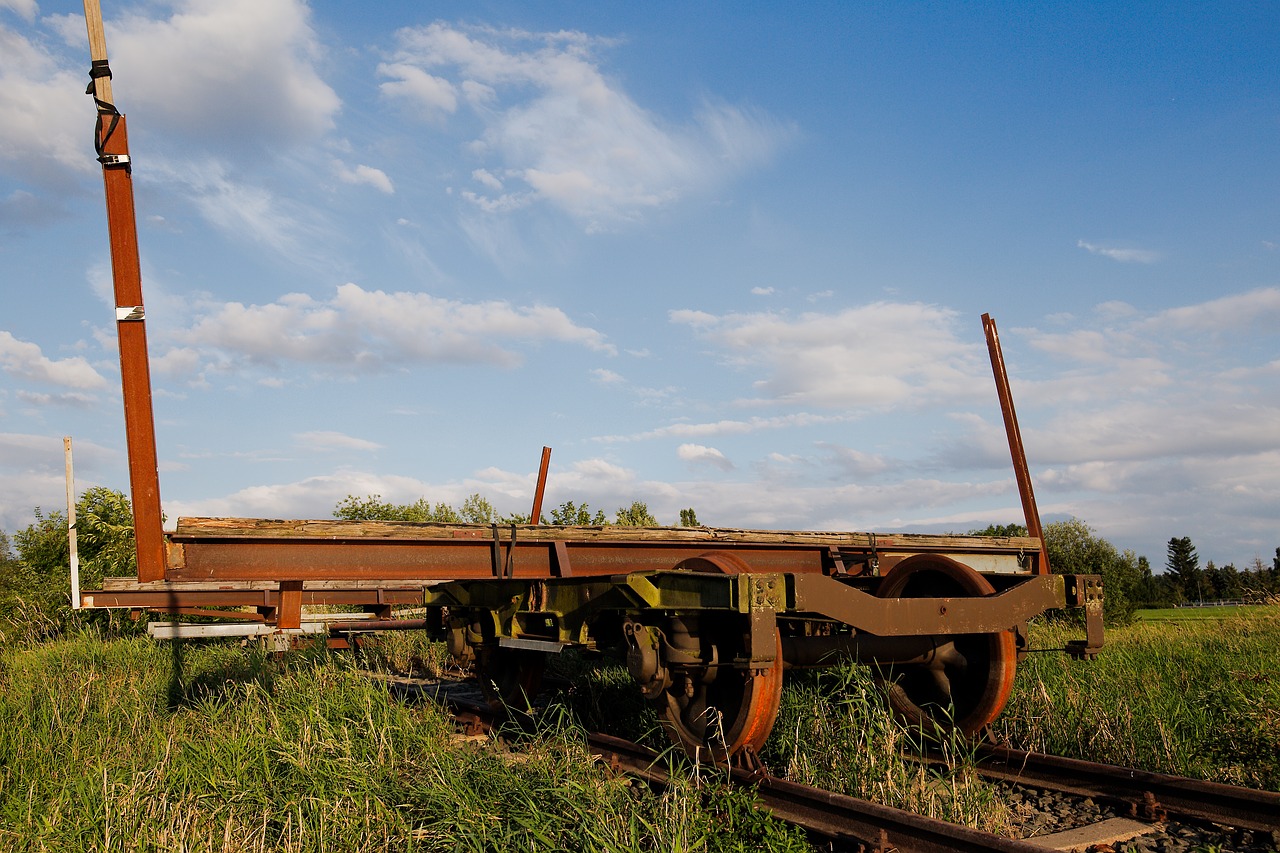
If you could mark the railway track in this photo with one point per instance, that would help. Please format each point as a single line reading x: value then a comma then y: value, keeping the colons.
x: 847, y: 821
x: 1137, y: 793
x: 1151, y: 803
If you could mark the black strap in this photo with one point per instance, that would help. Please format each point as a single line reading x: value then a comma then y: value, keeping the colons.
x: 100, y: 68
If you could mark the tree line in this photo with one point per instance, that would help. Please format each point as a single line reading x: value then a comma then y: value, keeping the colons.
x: 476, y: 509
x: 1129, y: 583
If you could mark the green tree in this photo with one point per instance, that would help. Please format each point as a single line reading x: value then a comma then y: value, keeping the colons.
x: 1256, y: 580
x: 1232, y: 583
x: 573, y: 515
x: 689, y: 518
x: 1150, y: 592
x: 1183, y: 566
x: 16, y: 581
x: 35, y: 589
x: 1075, y: 549
x: 104, y: 536
x: 636, y: 515
x: 1001, y: 530
x: 477, y: 510
x: 374, y: 508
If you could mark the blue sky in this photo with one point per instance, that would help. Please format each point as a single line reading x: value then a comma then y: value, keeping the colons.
x: 727, y: 256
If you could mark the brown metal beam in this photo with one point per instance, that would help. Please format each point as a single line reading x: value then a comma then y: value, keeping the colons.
x: 1023, y: 474
x: 897, y: 617
x: 214, y: 597
x: 111, y: 139
x: 536, y: 514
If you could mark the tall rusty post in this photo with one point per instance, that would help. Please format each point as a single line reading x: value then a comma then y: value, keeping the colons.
x: 1014, y: 434
x: 112, y: 144
x: 541, y: 486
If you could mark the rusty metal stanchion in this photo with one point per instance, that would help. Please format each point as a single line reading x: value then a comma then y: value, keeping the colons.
x: 541, y: 486
x: 112, y: 144
x: 1016, y: 450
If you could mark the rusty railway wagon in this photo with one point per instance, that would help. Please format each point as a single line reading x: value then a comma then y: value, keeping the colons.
x: 706, y: 618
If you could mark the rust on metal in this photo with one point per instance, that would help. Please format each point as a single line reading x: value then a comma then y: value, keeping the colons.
x: 541, y: 487
x: 112, y: 141
x: 1014, y: 434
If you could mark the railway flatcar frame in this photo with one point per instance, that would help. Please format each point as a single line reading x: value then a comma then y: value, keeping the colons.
x: 706, y: 618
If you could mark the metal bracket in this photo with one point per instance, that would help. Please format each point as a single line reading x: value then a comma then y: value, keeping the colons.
x: 109, y: 161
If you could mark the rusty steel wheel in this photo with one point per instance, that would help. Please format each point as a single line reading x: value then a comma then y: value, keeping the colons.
x: 968, y: 682
x: 719, y: 712
x: 510, y: 680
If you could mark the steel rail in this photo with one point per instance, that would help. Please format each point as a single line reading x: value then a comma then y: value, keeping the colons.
x: 824, y: 813
x: 1152, y: 796
x: 836, y: 817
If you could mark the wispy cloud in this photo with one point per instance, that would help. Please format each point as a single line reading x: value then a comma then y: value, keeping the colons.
x: 24, y: 360
x: 1125, y: 255
x: 557, y: 130
x: 25, y: 8
x: 327, y: 441
x: 364, y: 175
x: 857, y: 358
x: 698, y: 454
x: 372, y: 330
x: 727, y: 427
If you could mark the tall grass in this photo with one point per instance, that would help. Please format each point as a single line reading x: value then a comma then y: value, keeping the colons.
x: 130, y: 745
x: 836, y: 731
x: 126, y: 744
x: 1199, y: 698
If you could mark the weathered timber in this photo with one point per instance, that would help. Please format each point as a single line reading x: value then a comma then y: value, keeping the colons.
x: 217, y: 549
x: 203, y: 528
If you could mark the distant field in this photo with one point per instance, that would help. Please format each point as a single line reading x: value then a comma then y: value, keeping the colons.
x: 1187, y: 614
x: 1196, y: 697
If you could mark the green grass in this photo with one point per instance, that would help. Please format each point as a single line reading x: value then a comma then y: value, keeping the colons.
x: 835, y: 731
x: 128, y: 745
x: 1199, y: 698
x: 1191, y: 614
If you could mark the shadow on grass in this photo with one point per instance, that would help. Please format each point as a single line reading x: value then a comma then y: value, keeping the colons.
x: 211, y: 676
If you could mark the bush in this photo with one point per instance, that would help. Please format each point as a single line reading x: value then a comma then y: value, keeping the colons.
x: 35, y: 586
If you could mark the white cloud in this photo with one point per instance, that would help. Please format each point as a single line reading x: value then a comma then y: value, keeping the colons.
x: 370, y: 330
x: 430, y: 94
x: 24, y: 360
x: 239, y: 71
x: 248, y: 212
x: 563, y: 131
x: 47, y: 116
x: 367, y: 175
x: 699, y: 454
x: 875, y: 355
x: 72, y: 399
x: 727, y: 427
x: 26, y: 9
x: 853, y: 463
x: 1226, y: 315
x: 606, y: 377
x: 1123, y: 255
x: 762, y: 291
x: 326, y: 441
x: 32, y: 468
